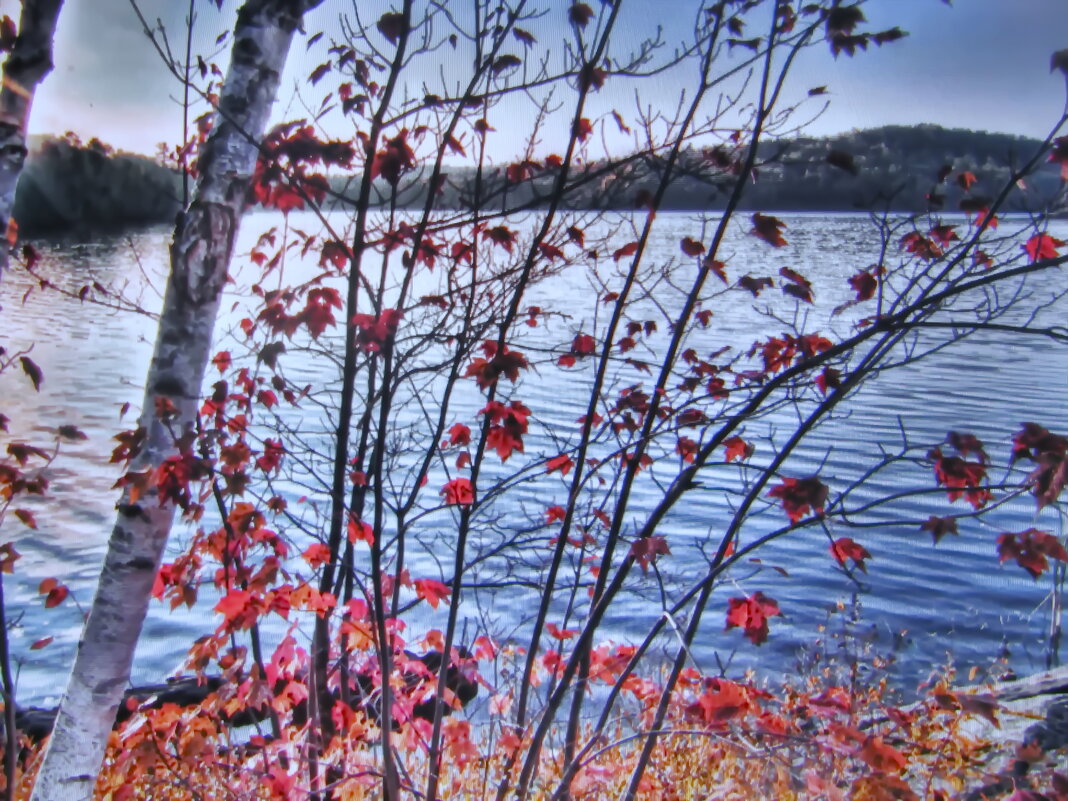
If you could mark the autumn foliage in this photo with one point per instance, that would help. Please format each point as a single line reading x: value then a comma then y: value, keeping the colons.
x: 384, y: 459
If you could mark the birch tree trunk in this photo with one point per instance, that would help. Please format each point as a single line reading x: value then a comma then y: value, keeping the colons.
x: 30, y: 61
x: 200, y: 254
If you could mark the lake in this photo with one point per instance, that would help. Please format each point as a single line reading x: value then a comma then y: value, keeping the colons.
x: 926, y: 601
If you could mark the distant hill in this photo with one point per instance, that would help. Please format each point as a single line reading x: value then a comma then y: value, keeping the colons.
x: 893, y: 167
x: 70, y: 186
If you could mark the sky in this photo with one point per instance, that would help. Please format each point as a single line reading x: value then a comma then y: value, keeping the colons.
x: 980, y: 64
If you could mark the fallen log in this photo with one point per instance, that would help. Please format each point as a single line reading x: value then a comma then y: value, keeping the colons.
x: 36, y: 722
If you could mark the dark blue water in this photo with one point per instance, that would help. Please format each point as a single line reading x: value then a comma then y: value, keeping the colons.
x: 926, y: 602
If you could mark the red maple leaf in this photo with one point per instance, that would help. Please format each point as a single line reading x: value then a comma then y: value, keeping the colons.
x: 1030, y: 549
x: 691, y: 247
x: 431, y: 591
x: 865, y: 284
x: 769, y: 229
x: 961, y: 478
x: 755, y: 285
x: 646, y: 549
x: 563, y: 463
x: 751, y: 615
x: 845, y: 548
x: 799, y: 495
x: 940, y: 526
x: 458, y: 492
x: 580, y: 14
x: 1042, y: 246
x: 487, y: 370
x: 737, y: 448
x: 830, y: 378
x: 459, y: 434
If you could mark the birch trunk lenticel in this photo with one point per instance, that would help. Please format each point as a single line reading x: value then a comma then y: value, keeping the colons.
x: 200, y: 253
x: 30, y: 61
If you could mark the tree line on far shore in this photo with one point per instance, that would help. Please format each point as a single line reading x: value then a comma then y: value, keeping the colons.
x: 73, y: 186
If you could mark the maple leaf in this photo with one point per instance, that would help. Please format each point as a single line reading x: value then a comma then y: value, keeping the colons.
x: 628, y: 249
x: 392, y: 25
x: 580, y: 14
x: 54, y: 592
x: 458, y: 492
x: 865, y: 284
x: 737, y: 448
x: 646, y: 549
x: 691, y: 247
x: 431, y: 591
x: 32, y: 371
x: 523, y: 36
x: 26, y: 517
x: 961, y: 478
x: 755, y: 285
x: 799, y: 286
x: 316, y: 555
x: 845, y: 548
x: 940, y: 526
x: 882, y: 757
x: 1042, y: 246
x: 751, y: 615
x: 563, y: 463
x: 554, y: 513
x: 966, y: 180
x: 1030, y: 549
x: 459, y: 434
x: 830, y: 378
x: 487, y: 370
x: 358, y: 531
x: 799, y: 495
x: 72, y: 433
x: 769, y: 229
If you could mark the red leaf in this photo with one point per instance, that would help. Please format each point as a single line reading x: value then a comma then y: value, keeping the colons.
x: 459, y: 434
x: 563, y: 463
x: 691, y: 247
x: 580, y: 14
x: 627, y: 250
x: 505, y: 62
x: 646, y: 549
x: 940, y: 526
x: 769, y: 229
x: 431, y: 591
x: 392, y: 26
x: 39, y: 644
x: 458, y: 492
x: 966, y: 180
x: 32, y: 371
x: 799, y: 495
x: 1042, y: 246
x: 1030, y: 549
x: 54, y: 592
x: 751, y: 615
x: 27, y: 518
x: 755, y: 285
x: 845, y: 548
x: 737, y: 448
x: 554, y: 513
x: 830, y: 378
x: 316, y: 555
x: 523, y: 36
x: 865, y: 284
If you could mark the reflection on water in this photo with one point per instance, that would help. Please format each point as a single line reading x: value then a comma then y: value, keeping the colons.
x: 949, y: 598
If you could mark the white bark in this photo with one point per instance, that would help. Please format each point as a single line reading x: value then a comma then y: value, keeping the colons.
x: 27, y: 65
x: 200, y: 253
